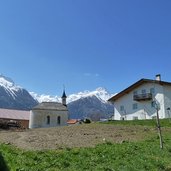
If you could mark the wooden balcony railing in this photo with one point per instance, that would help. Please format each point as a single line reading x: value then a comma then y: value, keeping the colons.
x: 142, y: 97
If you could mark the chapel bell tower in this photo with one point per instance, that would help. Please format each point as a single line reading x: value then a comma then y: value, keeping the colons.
x: 64, y: 98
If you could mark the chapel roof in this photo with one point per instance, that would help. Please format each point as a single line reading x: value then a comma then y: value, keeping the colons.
x: 50, y: 106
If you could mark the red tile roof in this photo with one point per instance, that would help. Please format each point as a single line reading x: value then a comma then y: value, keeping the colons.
x: 72, y: 121
x: 14, y: 114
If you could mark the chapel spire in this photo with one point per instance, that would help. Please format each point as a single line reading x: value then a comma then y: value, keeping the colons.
x: 64, y: 98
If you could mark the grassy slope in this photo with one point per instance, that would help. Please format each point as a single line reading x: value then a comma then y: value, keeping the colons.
x: 150, y: 122
x: 127, y: 156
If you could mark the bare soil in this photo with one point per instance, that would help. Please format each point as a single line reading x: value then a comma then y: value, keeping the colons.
x: 85, y: 135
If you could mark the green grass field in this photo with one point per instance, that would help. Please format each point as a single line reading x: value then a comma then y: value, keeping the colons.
x: 150, y: 122
x: 128, y: 156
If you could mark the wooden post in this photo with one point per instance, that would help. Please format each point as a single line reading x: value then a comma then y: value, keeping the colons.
x: 159, y: 128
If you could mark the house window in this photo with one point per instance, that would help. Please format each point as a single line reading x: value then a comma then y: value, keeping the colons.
x: 152, y: 91
x: 135, y: 93
x: 135, y: 106
x: 48, y: 120
x: 122, y: 118
x: 153, y: 104
x: 154, y: 117
x: 135, y: 117
x: 122, y: 108
x: 59, y: 120
x: 143, y: 91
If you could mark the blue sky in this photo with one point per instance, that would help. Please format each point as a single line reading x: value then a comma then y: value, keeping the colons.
x: 84, y: 44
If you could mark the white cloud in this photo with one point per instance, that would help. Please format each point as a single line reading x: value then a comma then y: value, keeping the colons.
x: 91, y: 75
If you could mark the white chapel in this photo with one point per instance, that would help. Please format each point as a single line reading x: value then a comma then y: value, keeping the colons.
x: 49, y: 114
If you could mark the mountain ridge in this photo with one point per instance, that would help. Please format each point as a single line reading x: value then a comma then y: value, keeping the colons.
x: 90, y: 107
x: 13, y: 96
x: 100, y: 92
x: 92, y: 104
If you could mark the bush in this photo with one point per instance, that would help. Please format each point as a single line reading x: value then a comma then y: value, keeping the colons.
x: 87, y: 120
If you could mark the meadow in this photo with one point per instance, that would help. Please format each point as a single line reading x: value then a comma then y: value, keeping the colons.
x: 108, y: 156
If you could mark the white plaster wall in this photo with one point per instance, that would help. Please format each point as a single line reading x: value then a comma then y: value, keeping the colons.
x: 144, y: 111
x: 167, y: 101
x: 38, y: 118
x: 31, y: 120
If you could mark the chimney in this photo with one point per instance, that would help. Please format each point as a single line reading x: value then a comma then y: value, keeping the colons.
x: 158, y: 77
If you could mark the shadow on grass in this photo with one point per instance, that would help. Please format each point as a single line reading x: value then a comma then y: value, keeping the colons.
x: 3, y: 165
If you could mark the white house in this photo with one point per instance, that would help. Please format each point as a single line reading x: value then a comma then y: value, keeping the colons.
x: 49, y: 114
x: 141, y: 99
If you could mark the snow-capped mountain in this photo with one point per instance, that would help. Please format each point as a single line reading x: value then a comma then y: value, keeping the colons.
x: 92, y: 104
x: 91, y: 107
x: 101, y: 93
x: 9, y: 85
x: 13, y: 96
x: 45, y: 98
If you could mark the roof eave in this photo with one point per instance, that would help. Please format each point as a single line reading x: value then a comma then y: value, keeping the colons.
x: 133, y: 86
x: 50, y: 109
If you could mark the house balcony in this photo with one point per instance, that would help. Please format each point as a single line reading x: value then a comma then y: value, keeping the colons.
x: 142, y: 97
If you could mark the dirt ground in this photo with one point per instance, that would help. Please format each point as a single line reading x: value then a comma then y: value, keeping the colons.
x: 85, y: 135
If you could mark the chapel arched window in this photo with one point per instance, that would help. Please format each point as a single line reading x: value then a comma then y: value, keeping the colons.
x: 59, y: 120
x: 48, y: 120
